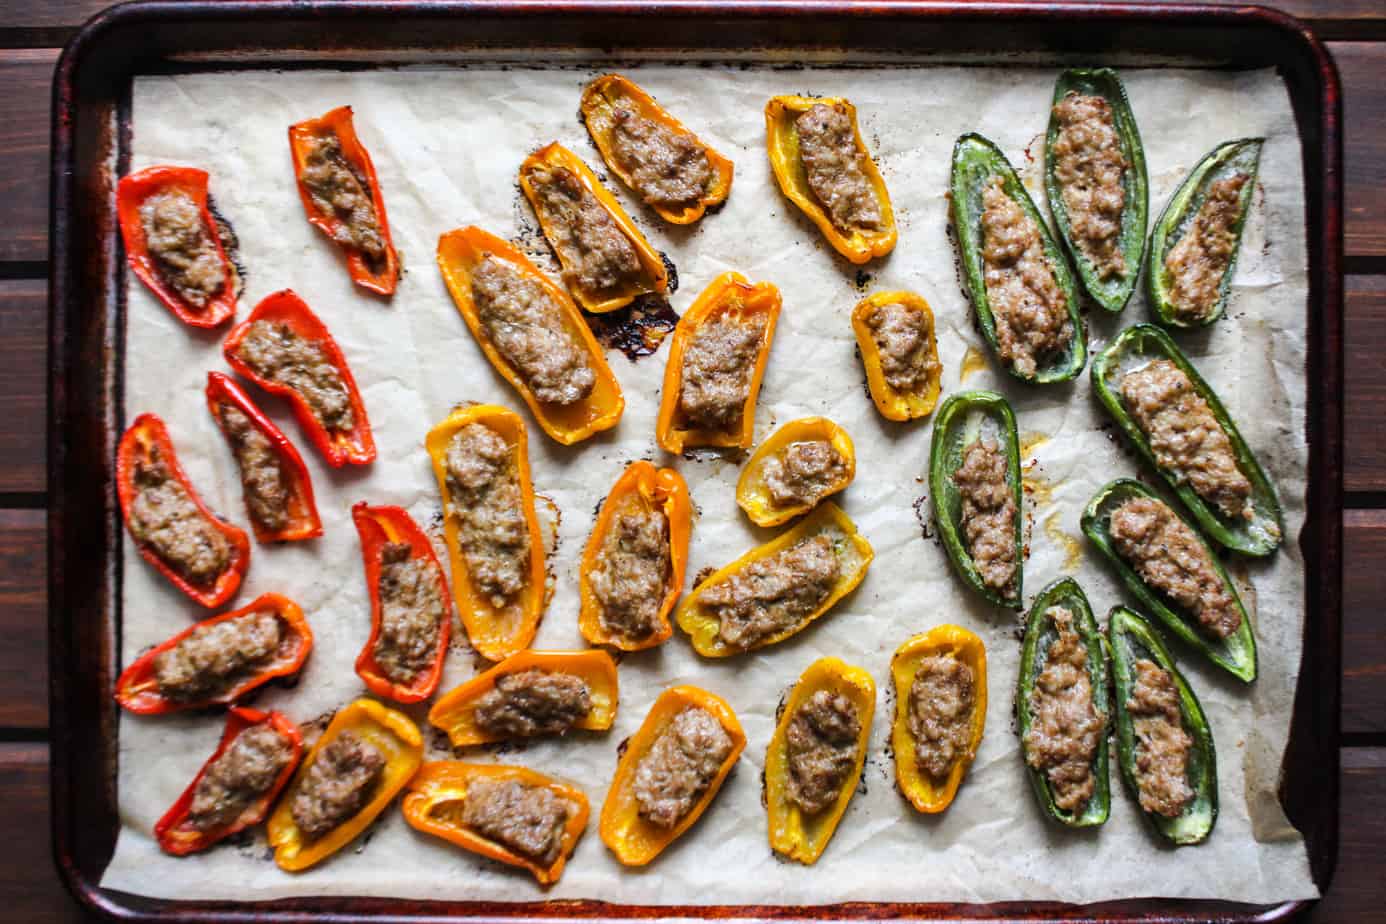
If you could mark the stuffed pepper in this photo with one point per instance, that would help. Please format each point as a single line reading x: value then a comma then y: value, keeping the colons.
x: 716, y: 364
x: 664, y: 163
x: 218, y: 660
x: 532, y: 333
x: 899, y: 349
x: 236, y: 786
x: 669, y: 773
x: 201, y: 554
x: 367, y: 754
x: 815, y: 757
x: 799, y: 464
x: 341, y: 197
x: 633, y: 565
x: 823, y: 167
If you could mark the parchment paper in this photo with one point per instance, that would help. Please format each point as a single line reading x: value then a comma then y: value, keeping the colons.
x: 447, y: 143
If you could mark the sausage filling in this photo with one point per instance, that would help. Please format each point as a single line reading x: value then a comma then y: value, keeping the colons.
x: 262, y: 472
x: 822, y: 742
x: 804, y: 473
x: 680, y: 766
x: 184, y: 251
x: 1185, y: 437
x: 337, y: 785
x: 1162, y: 745
x: 411, y: 613
x: 596, y: 254
x: 339, y: 190
x: 164, y: 518
x: 667, y: 167
x: 773, y: 594
x: 1029, y: 309
x: 988, y: 516
x: 1170, y: 558
x: 526, y: 325
x: 1065, y: 726
x: 485, y: 497
x: 274, y: 352
x: 530, y: 820
x: 833, y: 167
x: 242, y: 775
x: 630, y: 577
x: 901, y: 335
x: 533, y: 702
x: 1090, y: 167
x: 942, y: 698
x: 217, y: 657
x: 1197, y: 263
x: 717, y: 368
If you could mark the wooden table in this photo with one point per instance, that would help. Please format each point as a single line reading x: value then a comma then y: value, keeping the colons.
x: 31, y: 33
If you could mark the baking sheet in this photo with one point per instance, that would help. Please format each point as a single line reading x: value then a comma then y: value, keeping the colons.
x: 446, y: 144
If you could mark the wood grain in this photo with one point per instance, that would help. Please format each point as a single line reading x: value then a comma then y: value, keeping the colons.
x: 1362, y: 66
x: 29, y: 886
x: 1355, y: 894
x: 1364, y: 362
x: 23, y: 619
x: 25, y: 76
x: 23, y: 384
x: 1364, y: 631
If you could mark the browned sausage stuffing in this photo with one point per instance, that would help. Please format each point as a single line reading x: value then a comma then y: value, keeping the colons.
x: 484, y: 495
x: 1162, y: 744
x: 411, y: 613
x: 1065, y: 726
x: 526, y: 325
x: 989, y: 513
x: 822, y: 744
x: 217, y: 657
x: 529, y: 820
x: 184, y: 252
x: 942, y: 697
x: 901, y: 334
x: 164, y: 518
x: 717, y: 368
x: 1029, y: 309
x: 680, y: 766
x: 1089, y: 165
x: 533, y: 702
x: 262, y: 472
x: 772, y: 594
x: 338, y: 190
x: 631, y: 575
x: 273, y: 351
x: 1197, y: 263
x: 596, y: 254
x: 243, y: 773
x: 1185, y: 437
x: 1169, y: 556
x: 338, y: 783
x: 804, y: 473
x: 833, y: 168
x: 667, y: 167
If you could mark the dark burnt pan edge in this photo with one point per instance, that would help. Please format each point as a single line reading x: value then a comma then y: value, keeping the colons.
x: 87, y: 314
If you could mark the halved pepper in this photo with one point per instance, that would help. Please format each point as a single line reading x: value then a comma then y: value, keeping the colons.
x: 1235, y: 654
x: 964, y: 418
x: 382, y: 274
x: 398, y: 741
x: 653, y: 277
x: 893, y: 403
x: 925, y: 792
x: 459, y: 252
x: 975, y: 161
x: 752, y: 490
x: 1110, y: 291
x: 782, y: 142
x: 175, y: 832
x: 854, y: 556
x: 137, y: 688
x: 301, y: 510
x: 455, y: 711
x: 1131, y: 639
x: 438, y: 794
x: 1226, y: 161
x: 1040, y: 636
x: 495, y: 632
x: 634, y: 840
x: 339, y: 447
x: 132, y: 193
x: 1135, y: 348
x: 379, y: 527
x: 651, y: 489
x: 610, y: 93
x: 793, y: 832
x: 728, y: 295
x: 146, y: 447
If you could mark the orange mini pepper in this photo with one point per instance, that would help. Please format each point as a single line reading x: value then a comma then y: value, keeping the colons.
x: 752, y: 488
x: 890, y: 401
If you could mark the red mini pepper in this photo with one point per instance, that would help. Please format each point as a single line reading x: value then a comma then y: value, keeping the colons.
x: 130, y: 195
x: 339, y: 447
x: 377, y: 527
x: 147, y: 442
x: 173, y: 831
x: 303, y: 521
x: 137, y: 689
x: 301, y: 137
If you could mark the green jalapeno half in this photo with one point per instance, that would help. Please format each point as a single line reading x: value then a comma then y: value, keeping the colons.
x: 975, y: 162
x: 1110, y: 282
x: 1041, y: 632
x: 1132, y: 640
x: 1229, y: 173
x: 1136, y: 347
x: 964, y: 419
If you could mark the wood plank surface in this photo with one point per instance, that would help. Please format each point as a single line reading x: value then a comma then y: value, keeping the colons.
x: 1362, y: 67
x: 25, y: 77
x: 1356, y: 893
x: 1364, y: 629
x: 23, y: 384
x: 1364, y: 361
x: 23, y: 620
